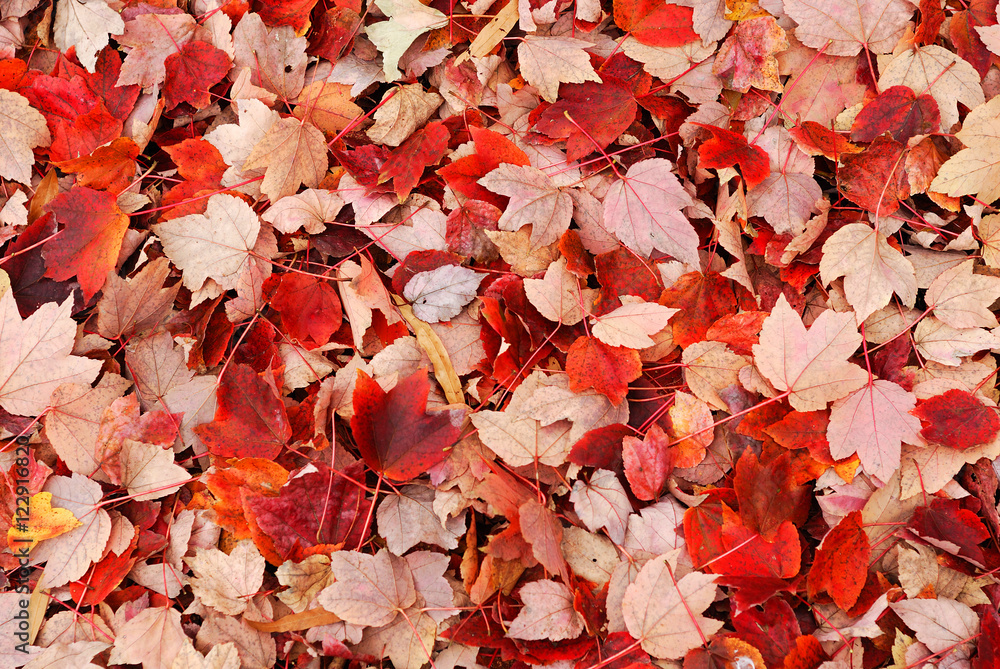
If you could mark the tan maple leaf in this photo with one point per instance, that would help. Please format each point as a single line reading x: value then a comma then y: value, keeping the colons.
x: 547, y: 62
x: 747, y: 56
x: 962, y: 298
x: 227, y: 582
x: 874, y: 269
x: 22, y: 128
x: 86, y: 26
x: 73, y: 422
x: 276, y: 56
x: 975, y: 170
x: 135, y: 305
x: 811, y: 365
x: 235, y: 141
x: 873, y: 422
x: 369, y: 589
x: 153, y: 638
x: 843, y: 28
x: 215, y: 245
x: 940, y: 624
x: 557, y: 295
x: 534, y: 200
x: 35, y: 355
x: 294, y: 153
x: 408, y: 518
x: 664, y: 612
x: 401, y: 112
x: 602, y: 503
x: 548, y: 613
x: 631, y: 324
x: 69, y: 556
x: 151, y: 38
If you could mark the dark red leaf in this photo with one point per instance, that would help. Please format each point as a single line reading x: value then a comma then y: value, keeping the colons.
x: 394, y: 432
x: 250, y: 419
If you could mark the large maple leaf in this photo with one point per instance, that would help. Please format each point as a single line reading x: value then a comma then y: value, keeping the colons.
x: 810, y: 364
x: 250, y: 420
x: 844, y: 28
x: 396, y: 435
x: 91, y: 238
x: 643, y: 209
x: 35, y: 356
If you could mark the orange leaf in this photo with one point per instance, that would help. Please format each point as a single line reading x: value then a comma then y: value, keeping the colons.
x: 841, y: 563
x: 591, y: 363
x: 93, y: 228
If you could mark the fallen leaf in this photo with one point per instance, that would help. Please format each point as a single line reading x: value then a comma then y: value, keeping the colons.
x: 548, y: 61
x: 25, y: 127
x: 395, y: 433
x: 294, y: 153
x: 643, y: 209
x: 811, y: 365
x: 548, y: 613
x: 36, y: 356
x: 664, y: 612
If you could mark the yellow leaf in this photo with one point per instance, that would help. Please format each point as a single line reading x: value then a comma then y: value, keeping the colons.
x: 43, y: 522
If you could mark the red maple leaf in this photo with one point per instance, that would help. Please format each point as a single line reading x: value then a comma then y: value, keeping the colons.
x: 396, y: 435
x: 250, y: 419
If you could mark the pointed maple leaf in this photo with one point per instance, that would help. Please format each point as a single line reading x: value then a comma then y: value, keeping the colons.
x: 591, y: 363
x: 394, y: 432
x: 91, y: 239
x: 35, y: 357
x: 874, y: 269
x: 589, y: 115
x: 957, y: 419
x: 191, y: 72
x: 548, y: 61
x: 844, y: 28
x: 85, y: 26
x: 294, y: 153
x: 654, y: 23
x: 369, y: 589
x: 747, y: 56
x: 24, y: 128
x: 110, y: 167
x: 215, y: 245
x: 961, y: 297
x: 643, y: 209
x: 250, y: 420
x: 309, y: 307
x: 811, y: 365
x: 227, y: 582
x: 137, y: 305
x: 406, y: 164
x: 873, y: 422
x: 548, y: 613
x: 727, y: 149
x: 534, y: 200
x: 841, y: 564
x: 664, y: 612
